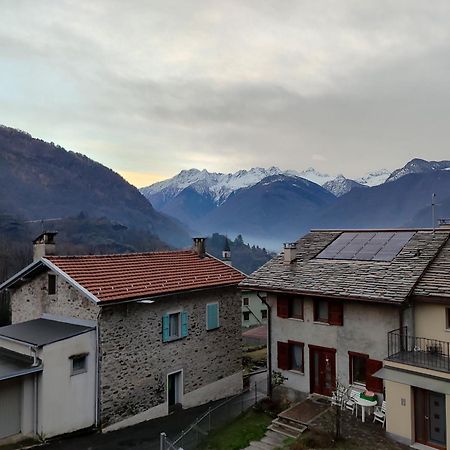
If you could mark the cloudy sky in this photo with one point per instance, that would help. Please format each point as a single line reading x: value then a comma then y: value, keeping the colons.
x: 152, y: 87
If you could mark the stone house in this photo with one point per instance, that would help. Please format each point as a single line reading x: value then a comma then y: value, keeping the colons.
x: 368, y: 308
x: 167, y: 325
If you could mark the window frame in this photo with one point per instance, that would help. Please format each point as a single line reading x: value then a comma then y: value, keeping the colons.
x: 207, y: 316
x: 245, y: 301
x: 447, y: 319
x: 290, y: 305
x: 51, y: 276
x: 291, y: 344
x: 316, y: 309
x: 246, y: 314
x: 351, y: 356
x: 80, y: 356
x: 178, y: 336
x: 264, y: 314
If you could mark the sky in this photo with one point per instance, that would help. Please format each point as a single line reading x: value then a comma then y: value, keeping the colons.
x: 149, y: 88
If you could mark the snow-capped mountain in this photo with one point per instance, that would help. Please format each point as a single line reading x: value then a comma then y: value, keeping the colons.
x: 341, y: 185
x: 374, y: 178
x: 313, y: 175
x: 219, y: 186
x: 418, y: 166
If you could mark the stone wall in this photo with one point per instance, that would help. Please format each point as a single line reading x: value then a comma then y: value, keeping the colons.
x: 135, y: 361
x: 31, y: 301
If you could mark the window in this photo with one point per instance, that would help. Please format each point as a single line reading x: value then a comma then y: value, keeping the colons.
x: 290, y: 306
x: 51, y: 284
x: 358, y: 367
x: 329, y: 311
x: 78, y: 364
x: 175, y: 326
x: 212, y: 316
x: 321, y: 311
x: 290, y: 355
x: 447, y: 311
x: 296, y: 308
x: 245, y: 301
x: 246, y: 315
x: 264, y: 314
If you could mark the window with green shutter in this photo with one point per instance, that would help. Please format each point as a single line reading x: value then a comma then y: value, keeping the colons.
x: 212, y: 316
x: 174, y: 326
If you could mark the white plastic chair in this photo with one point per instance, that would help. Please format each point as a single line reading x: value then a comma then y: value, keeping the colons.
x: 337, y: 398
x: 350, y: 403
x: 379, y: 414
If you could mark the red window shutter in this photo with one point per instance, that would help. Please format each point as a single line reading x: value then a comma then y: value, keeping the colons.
x: 283, y: 306
x: 283, y: 355
x: 373, y: 383
x: 335, y: 313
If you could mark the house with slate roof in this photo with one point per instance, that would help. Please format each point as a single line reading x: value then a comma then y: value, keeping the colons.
x: 370, y: 308
x: 166, y: 327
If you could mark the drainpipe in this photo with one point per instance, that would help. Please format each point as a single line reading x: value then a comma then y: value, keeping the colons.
x: 269, y: 345
x: 36, y: 408
x: 97, y: 368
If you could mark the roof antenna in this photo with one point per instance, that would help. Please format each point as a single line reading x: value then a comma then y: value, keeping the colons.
x: 433, y: 205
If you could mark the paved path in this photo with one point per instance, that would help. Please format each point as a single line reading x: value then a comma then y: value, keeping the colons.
x: 146, y: 435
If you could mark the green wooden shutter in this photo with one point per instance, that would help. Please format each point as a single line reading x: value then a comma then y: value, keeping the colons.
x: 165, y: 328
x: 184, y: 324
x: 212, y: 313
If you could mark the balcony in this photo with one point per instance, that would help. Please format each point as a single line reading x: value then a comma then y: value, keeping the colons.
x: 418, y: 351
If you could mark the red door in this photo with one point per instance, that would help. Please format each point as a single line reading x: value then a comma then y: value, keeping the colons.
x: 322, y: 363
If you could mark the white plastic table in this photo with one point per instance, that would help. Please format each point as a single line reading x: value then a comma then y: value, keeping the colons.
x: 364, y: 404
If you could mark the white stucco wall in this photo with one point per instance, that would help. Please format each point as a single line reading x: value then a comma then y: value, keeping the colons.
x: 364, y: 331
x: 67, y: 402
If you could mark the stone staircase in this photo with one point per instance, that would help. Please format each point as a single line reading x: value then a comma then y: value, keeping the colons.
x: 280, y: 429
x: 287, y: 427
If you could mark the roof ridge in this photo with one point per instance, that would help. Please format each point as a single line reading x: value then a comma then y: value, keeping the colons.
x: 161, y: 252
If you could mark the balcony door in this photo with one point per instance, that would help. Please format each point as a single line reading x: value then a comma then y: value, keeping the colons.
x: 430, y: 421
x: 322, y: 370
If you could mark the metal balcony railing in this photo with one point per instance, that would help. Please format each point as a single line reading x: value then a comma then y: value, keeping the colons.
x: 418, y: 351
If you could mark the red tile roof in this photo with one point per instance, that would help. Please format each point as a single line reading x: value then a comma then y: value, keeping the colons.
x: 142, y: 275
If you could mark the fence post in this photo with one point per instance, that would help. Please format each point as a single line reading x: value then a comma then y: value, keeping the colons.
x: 162, y: 441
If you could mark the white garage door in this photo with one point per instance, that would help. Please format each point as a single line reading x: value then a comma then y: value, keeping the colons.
x: 10, y: 407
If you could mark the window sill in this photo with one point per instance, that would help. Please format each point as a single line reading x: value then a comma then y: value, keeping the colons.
x: 174, y: 339
x: 318, y: 322
x: 213, y: 329
x: 297, y: 372
x: 298, y: 319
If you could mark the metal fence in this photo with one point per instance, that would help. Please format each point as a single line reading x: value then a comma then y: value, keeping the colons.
x: 216, y: 417
x: 423, y: 352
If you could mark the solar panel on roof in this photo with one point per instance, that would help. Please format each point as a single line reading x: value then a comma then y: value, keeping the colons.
x: 367, y: 246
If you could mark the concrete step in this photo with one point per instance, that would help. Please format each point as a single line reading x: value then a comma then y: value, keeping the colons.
x: 273, y: 438
x: 293, y: 426
x: 283, y: 431
x: 261, y: 445
x: 273, y: 442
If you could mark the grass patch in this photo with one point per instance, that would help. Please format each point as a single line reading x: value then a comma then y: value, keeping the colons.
x: 258, y: 355
x: 250, y: 426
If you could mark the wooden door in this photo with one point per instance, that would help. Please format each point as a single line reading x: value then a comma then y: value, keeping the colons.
x: 429, y: 418
x: 322, y: 370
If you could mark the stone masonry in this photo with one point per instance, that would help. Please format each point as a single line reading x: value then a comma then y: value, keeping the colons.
x: 133, y: 360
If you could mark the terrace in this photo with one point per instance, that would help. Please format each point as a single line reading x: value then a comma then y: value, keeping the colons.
x: 418, y: 351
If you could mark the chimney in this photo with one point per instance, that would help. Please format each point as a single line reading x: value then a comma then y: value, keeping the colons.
x: 199, y: 246
x: 44, y: 245
x: 290, y: 252
x: 226, y: 253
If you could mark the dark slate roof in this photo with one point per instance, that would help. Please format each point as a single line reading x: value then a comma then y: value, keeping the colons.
x: 382, y: 281
x: 13, y: 364
x: 41, y: 332
x: 436, y: 280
